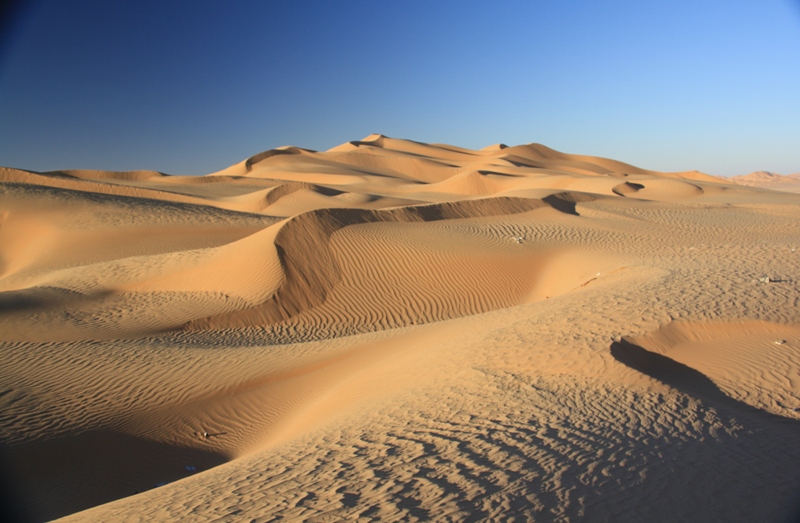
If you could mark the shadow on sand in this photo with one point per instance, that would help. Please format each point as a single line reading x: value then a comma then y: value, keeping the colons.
x: 685, y: 379
x: 696, y: 384
x: 44, y: 480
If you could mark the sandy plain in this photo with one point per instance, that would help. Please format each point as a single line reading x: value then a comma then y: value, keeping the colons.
x: 398, y: 331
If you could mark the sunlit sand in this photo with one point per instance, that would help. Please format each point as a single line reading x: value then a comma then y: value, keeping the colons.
x: 397, y: 331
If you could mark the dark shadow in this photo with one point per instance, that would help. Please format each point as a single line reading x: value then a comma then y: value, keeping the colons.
x: 43, y: 298
x: 683, y: 378
x: 20, y: 301
x: 495, y: 173
x: 327, y: 191
x: 627, y: 188
x: 558, y: 202
x: 12, y: 507
x: 51, y: 479
x: 348, y: 499
x: 696, y: 384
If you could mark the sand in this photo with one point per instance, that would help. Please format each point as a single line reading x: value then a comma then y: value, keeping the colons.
x: 399, y: 331
x: 768, y: 180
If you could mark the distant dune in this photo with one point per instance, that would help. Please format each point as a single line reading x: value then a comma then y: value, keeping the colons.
x: 768, y: 180
x: 400, y: 331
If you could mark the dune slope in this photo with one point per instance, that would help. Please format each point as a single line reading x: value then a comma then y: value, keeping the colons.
x: 399, y: 331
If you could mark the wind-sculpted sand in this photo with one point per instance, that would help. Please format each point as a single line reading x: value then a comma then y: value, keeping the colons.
x: 398, y: 331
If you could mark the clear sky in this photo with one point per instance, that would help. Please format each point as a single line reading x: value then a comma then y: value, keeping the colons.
x: 190, y: 87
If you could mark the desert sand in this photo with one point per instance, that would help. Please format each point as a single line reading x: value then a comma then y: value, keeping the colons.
x: 768, y: 180
x: 399, y: 331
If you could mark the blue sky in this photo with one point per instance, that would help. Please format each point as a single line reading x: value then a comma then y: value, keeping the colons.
x: 190, y: 87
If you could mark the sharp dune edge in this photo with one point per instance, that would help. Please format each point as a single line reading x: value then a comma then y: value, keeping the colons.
x: 399, y: 331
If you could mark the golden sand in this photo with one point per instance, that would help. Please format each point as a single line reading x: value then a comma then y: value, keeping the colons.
x: 399, y: 331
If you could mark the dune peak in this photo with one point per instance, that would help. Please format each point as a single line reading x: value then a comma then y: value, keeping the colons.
x: 399, y: 330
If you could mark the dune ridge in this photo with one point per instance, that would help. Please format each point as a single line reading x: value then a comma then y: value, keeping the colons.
x: 305, y: 239
x: 399, y: 331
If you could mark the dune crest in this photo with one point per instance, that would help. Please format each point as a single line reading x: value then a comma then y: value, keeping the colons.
x: 311, y: 270
x: 396, y: 330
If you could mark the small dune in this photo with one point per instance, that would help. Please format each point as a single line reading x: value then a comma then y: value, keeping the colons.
x: 753, y: 362
x: 626, y: 188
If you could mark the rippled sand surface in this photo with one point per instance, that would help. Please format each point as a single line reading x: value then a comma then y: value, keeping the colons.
x: 399, y: 331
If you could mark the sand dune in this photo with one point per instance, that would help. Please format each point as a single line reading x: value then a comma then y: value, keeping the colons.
x: 768, y: 180
x: 399, y: 331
